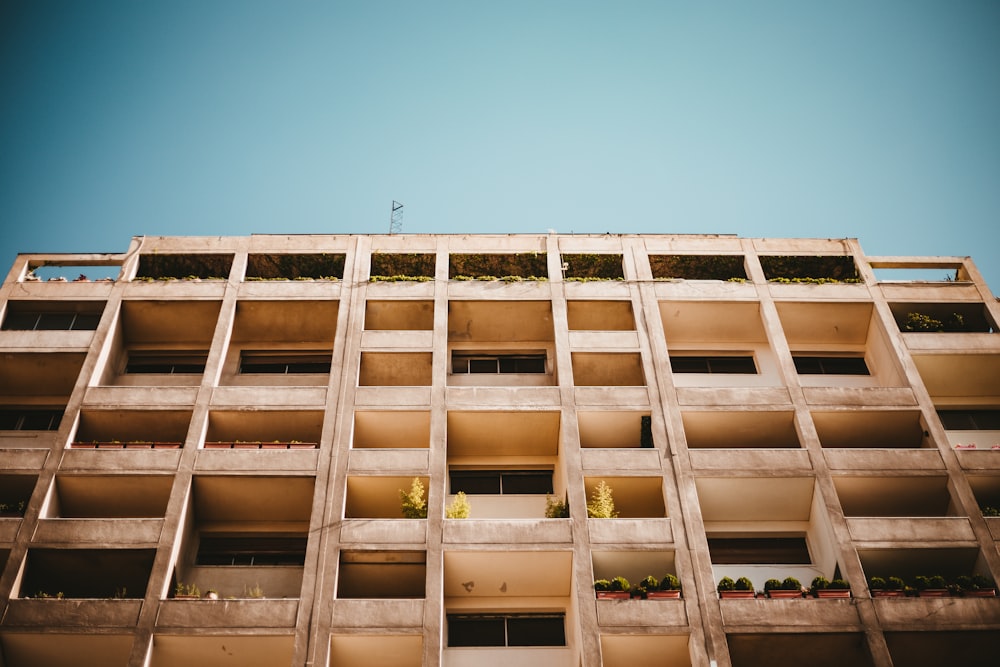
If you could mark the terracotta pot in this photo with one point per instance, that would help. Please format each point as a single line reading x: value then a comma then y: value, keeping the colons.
x: 784, y: 595
x: 839, y: 593
x: 737, y: 595
x: 613, y: 595
x: 934, y: 593
x: 885, y: 593
x: 663, y: 595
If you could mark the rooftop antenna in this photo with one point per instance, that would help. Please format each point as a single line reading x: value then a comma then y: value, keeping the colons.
x: 396, y: 218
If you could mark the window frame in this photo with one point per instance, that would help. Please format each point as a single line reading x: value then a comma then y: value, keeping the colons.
x: 727, y: 551
x: 18, y: 416
x: 291, y: 362
x: 826, y: 364
x: 719, y: 360
x: 242, y: 550
x: 517, y: 363
x: 191, y: 362
x: 500, y: 474
x: 89, y: 321
x: 505, y: 618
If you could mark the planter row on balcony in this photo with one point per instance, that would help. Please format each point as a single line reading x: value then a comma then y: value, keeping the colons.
x: 789, y: 588
x: 978, y: 586
x: 237, y: 444
x: 994, y: 447
x: 650, y: 588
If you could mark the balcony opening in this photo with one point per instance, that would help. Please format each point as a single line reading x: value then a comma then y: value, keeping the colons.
x: 382, y: 574
x: 395, y: 369
x: 380, y: 650
x: 55, y: 649
x: 18, y: 418
x: 295, y: 266
x: 399, y: 315
x: 919, y: 272
x: 132, y: 429
x: 377, y: 496
x: 87, y: 573
x: 987, y: 491
x: 482, y: 266
x: 73, y: 270
x: 501, y: 343
x: 970, y: 420
x: 923, y: 648
x: 646, y: 650
x: 191, y: 266
x: 740, y: 430
x: 612, y: 369
x: 110, y: 497
x: 15, y: 492
x: 698, y: 267
x: 612, y: 429
x: 907, y: 563
x: 53, y: 315
x: 392, y: 429
x: 895, y: 496
x: 585, y: 267
x: 600, y: 316
x: 875, y: 429
x: 726, y: 364
x: 633, y: 565
x: 810, y: 269
x: 268, y: 429
x: 634, y: 497
x: 957, y: 317
x: 759, y: 550
x: 966, y: 380
x: 402, y: 266
x: 45, y: 378
x: 827, y: 649
x: 527, y: 629
x: 245, y: 650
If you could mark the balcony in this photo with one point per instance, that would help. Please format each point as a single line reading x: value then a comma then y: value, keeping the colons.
x: 86, y: 573
x: 820, y: 649
x: 184, y: 649
x: 381, y: 574
x: 69, y: 649
x: 646, y: 650
x: 382, y: 650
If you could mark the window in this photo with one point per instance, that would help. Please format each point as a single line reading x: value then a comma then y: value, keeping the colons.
x: 497, y: 363
x: 758, y: 550
x: 697, y: 364
x: 970, y: 420
x: 167, y: 363
x: 506, y: 630
x: 43, y: 321
x: 497, y: 482
x: 807, y: 365
x: 285, y: 362
x: 29, y: 419
x: 242, y: 550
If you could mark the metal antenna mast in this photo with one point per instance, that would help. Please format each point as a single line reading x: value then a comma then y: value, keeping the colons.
x: 396, y: 218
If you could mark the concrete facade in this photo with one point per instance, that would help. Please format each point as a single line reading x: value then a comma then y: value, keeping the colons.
x: 240, y: 415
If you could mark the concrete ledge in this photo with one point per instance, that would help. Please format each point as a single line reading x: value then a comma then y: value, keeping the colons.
x: 611, y: 289
x: 733, y: 396
x: 286, y: 290
x: 603, y: 340
x: 763, y: 460
x: 866, y: 396
x: 262, y: 613
x: 410, y: 340
x: 121, y: 459
x: 52, y: 613
x: 378, y: 614
x: 641, y: 613
x: 613, y: 396
x: 32, y: 341
x: 978, y: 459
x: 798, y: 613
x: 903, y: 529
x: 270, y: 460
x: 392, y: 396
x: 383, y: 531
x: 404, y: 289
x: 52, y: 290
x: 993, y: 522
x: 923, y: 292
x: 107, y: 533
x: 134, y: 397
x: 176, y: 289
x: 952, y: 343
x: 507, y: 532
x: 508, y: 397
x: 883, y: 459
x: 825, y: 292
x: 937, y: 613
x: 23, y: 459
x: 630, y: 531
x: 299, y: 397
x: 704, y: 289
x: 389, y: 460
x: 8, y: 529
x: 497, y: 289
x: 619, y: 458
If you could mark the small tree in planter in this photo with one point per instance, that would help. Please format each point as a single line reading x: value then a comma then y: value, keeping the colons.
x: 931, y: 587
x: 459, y: 508
x: 555, y: 508
x: 838, y: 588
x: 893, y: 587
x: 742, y: 588
x: 643, y: 588
x: 413, y: 505
x: 621, y: 585
x: 789, y: 588
x: 602, y: 503
x: 976, y: 586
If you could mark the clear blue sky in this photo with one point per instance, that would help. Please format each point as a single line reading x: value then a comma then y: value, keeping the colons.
x: 876, y: 119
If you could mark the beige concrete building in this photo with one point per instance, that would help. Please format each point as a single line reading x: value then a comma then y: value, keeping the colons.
x: 240, y: 415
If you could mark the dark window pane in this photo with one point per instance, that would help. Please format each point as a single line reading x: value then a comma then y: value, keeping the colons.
x: 483, y: 365
x: 808, y: 366
x: 539, y: 631
x: 86, y: 322
x: 741, y: 365
x: 475, y: 481
x: 9, y: 420
x: 689, y: 364
x: 831, y: 365
x: 758, y: 550
x: 970, y: 420
x: 472, y: 631
x: 262, y: 367
x: 40, y: 420
x: 309, y: 367
x: 20, y: 321
x: 532, y: 364
x: 530, y: 481
x: 189, y: 368
x: 55, y: 321
x: 459, y: 364
x: 252, y: 551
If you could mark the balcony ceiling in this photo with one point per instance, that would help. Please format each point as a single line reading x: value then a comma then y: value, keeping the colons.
x: 819, y: 323
x: 56, y: 650
x: 499, y: 321
x: 503, y: 433
x: 507, y: 573
x: 960, y: 375
x: 755, y: 498
x: 694, y: 322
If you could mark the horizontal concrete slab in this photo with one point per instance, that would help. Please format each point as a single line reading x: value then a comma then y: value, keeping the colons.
x: 389, y: 460
x: 763, y: 613
x: 866, y: 396
x: 764, y: 460
x: 261, y: 613
x: 906, y: 529
x: 641, y: 613
x: 108, y: 533
x: 620, y: 458
x: 52, y: 613
x: 630, y: 531
x: 383, y: 531
x: 937, y: 613
x: 507, y: 532
x: 378, y: 614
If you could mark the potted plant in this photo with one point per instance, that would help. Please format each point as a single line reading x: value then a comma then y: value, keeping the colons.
x: 669, y: 588
x: 615, y: 589
x: 459, y: 508
x: 931, y: 587
x: 187, y: 592
x: 622, y: 586
x: 413, y: 505
x: 893, y: 587
x: 642, y: 589
x: 555, y: 508
x: 789, y: 588
x: 976, y: 586
x: 602, y: 503
x: 823, y: 588
x: 742, y: 588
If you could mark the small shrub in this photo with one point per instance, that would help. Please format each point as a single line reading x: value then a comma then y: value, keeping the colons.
x: 459, y: 507
x: 791, y: 584
x: 895, y: 584
x: 744, y: 584
x: 772, y: 585
x: 726, y: 584
x: 187, y: 589
x: 413, y: 504
x: 877, y: 583
x: 602, y: 503
x: 670, y: 582
x: 620, y: 584
x: 555, y: 508
x: 602, y: 585
x: 650, y: 583
x: 819, y: 584
x: 840, y: 585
